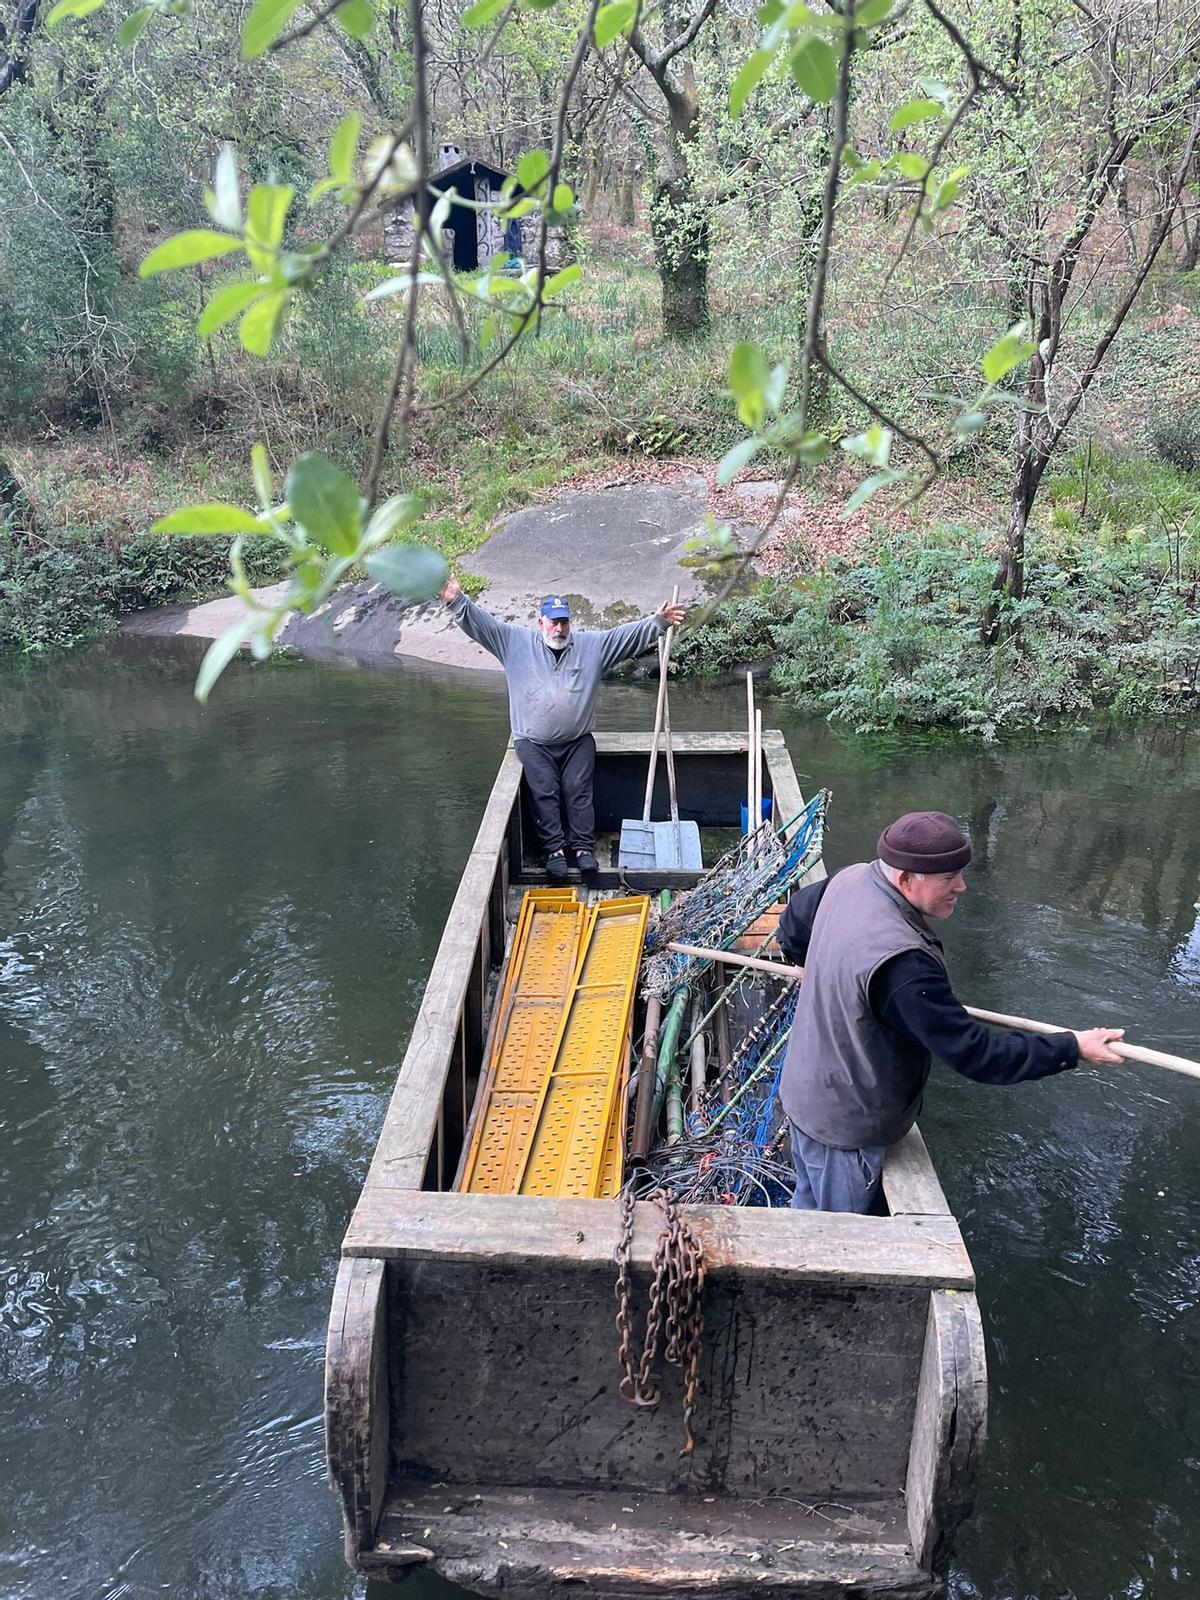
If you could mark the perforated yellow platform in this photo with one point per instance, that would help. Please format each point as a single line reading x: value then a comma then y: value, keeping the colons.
x: 546, y: 949
x: 578, y: 1147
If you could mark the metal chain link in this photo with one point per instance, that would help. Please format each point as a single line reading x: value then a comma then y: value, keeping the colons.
x: 676, y: 1296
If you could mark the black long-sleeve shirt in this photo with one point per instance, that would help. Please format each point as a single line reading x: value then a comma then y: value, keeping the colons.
x: 911, y: 994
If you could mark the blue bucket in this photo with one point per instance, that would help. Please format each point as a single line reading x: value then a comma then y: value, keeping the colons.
x: 768, y: 805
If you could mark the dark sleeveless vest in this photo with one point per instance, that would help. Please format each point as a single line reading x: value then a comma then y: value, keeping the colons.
x: 847, y: 1080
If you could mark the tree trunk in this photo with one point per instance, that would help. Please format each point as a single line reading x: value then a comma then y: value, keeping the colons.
x: 1032, y: 454
x: 680, y: 224
x: 628, y: 183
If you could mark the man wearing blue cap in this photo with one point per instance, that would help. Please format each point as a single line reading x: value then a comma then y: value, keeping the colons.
x: 553, y: 678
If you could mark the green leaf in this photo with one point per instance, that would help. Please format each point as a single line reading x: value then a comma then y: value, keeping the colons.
x: 218, y: 656
x: 186, y: 249
x: 72, y: 8
x: 131, y: 28
x: 227, y: 303
x: 262, y: 321
x: 324, y: 501
x: 812, y: 449
x: 410, y: 570
x: 732, y: 462
x: 480, y: 14
x: 867, y: 488
x: 775, y: 387
x: 266, y: 22
x: 1008, y: 352
x: 356, y: 17
x: 875, y: 445
x: 914, y: 111
x: 532, y: 168
x: 392, y: 517
x: 814, y: 65
x: 970, y: 422
x: 266, y: 212
x: 563, y: 198
x: 440, y: 215
x: 910, y: 165
x: 947, y: 191
x: 208, y: 519
x: 749, y: 75
x: 343, y: 146
x: 748, y: 371
x: 872, y: 12
x: 940, y: 92
x: 261, y: 467
x: 865, y: 172
x: 562, y: 279
x: 400, y: 285
x: 613, y: 19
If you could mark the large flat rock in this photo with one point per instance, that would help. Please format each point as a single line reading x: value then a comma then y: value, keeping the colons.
x: 614, y: 552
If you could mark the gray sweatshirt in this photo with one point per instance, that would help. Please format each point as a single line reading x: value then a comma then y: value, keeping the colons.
x: 552, y: 693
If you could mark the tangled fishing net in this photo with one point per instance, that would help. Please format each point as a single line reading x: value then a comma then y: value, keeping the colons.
x: 760, y: 870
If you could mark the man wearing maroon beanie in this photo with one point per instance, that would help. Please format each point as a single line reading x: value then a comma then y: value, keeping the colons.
x: 876, y: 1006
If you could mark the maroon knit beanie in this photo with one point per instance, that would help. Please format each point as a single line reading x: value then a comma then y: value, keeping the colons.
x: 924, y: 841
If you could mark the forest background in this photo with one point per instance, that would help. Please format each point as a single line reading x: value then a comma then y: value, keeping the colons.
x: 918, y: 293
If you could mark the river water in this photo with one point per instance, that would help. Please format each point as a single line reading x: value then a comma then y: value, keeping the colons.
x: 214, y: 931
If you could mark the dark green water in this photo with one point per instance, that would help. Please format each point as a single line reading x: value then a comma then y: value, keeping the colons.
x: 214, y: 930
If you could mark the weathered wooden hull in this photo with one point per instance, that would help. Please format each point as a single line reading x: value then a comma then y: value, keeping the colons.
x: 473, y: 1418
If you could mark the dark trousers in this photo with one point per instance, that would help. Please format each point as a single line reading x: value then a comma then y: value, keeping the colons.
x: 559, y: 780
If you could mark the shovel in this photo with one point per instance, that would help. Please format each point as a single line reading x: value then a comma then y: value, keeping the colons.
x: 672, y: 845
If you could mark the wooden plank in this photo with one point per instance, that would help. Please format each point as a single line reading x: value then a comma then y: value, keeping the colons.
x: 501, y: 1542
x: 948, y: 1429
x: 910, y: 1183
x: 805, y: 1389
x: 683, y: 744
x: 411, y: 1121
x: 524, y: 1231
x: 357, y: 1402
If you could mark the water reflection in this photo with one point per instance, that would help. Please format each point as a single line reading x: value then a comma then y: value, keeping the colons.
x: 214, y: 930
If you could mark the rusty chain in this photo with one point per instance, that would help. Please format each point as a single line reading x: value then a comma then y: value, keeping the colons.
x: 676, y: 1297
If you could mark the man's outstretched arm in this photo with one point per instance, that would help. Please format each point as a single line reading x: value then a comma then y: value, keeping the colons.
x: 475, y: 622
x: 631, y: 638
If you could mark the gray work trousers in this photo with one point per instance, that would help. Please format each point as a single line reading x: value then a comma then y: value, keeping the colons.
x: 829, y: 1179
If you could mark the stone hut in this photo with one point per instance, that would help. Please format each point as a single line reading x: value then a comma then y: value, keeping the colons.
x: 472, y: 238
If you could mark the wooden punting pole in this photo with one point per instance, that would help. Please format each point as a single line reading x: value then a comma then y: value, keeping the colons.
x: 998, y: 1019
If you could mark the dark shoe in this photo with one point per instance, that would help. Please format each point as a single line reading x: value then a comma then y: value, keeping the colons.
x: 586, y: 861
x: 556, y: 867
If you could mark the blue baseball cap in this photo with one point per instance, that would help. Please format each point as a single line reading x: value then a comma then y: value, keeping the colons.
x: 555, y: 607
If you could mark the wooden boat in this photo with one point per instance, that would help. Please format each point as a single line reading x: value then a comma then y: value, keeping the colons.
x: 473, y: 1419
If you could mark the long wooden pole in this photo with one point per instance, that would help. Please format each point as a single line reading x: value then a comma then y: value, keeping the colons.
x: 664, y: 656
x: 664, y: 646
x: 998, y: 1019
x: 750, y: 752
x: 758, y: 783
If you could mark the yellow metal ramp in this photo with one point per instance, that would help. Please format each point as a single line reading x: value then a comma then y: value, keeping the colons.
x: 545, y: 953
x: 577, y: 1147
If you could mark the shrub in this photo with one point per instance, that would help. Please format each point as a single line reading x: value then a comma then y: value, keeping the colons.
x: 1176, y: 436
x: 53, y: 594
x: 895, y: 642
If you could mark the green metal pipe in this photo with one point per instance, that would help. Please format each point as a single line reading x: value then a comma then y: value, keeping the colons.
x: 667, y: 1050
